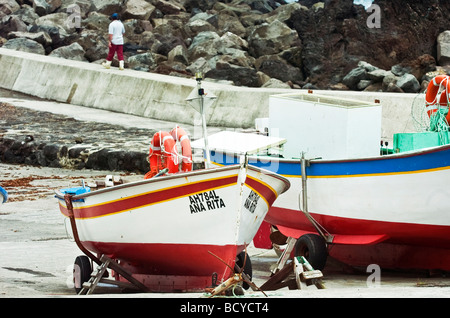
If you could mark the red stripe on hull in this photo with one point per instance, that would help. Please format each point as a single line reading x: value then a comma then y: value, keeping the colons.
x: 170, y: 259
x: 262, y: 189
x: 398, y: 233
x: 151, y: 198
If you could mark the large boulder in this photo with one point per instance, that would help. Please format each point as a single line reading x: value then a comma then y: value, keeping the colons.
x: 82, y: 7
x: 44, y: 7
x: 443, y: 48
x: 276, y: 67
x: 138, y: 9
x: 240, y: 76
x: 408, y: 83
x: 107, y: 7
x: 11, y: 23
x: 268, y: 39
x: 142, y: 62
x: 40, y: 37
x: 203, y: 45
x: 26, y: 14
x: 197, y: 25
x: 25, y: 45
x: 352, y: 79
x: 73, y: 51
x: 8, y: 7
x: 94, y: 45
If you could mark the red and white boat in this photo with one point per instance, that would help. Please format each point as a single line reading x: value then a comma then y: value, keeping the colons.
x: 348, y: 200
x: 179, y: 232
x: 163, y: 230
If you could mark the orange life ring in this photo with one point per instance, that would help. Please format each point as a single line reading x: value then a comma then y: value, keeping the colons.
x: 163, y: 154
x: 180, y: 135
x: 433, y: 97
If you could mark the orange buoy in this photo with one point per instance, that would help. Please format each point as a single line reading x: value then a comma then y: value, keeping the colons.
x: 180, y: 135
x: 163, y: 154
x: 436, y: 91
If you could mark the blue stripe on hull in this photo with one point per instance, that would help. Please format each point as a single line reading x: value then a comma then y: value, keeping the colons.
x: 431, y: 159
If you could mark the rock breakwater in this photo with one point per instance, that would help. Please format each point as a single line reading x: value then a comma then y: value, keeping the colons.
x: 49, y: 140
x: 256, y: 43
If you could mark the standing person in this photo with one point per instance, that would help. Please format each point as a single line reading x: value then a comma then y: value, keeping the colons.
x: 116, y: 31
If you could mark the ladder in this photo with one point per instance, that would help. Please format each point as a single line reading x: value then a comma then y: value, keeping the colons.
x: 305, y: 275
x: 98, y: 273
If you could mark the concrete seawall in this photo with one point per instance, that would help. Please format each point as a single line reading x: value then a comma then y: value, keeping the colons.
x: 163, y: 97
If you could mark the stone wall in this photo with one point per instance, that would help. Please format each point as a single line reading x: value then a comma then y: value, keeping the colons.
x: 145, y: 94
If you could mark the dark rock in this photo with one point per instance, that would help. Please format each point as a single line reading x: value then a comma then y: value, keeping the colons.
x: 278, y: 68
x: 356, y: 75
x: 143, y: 62
x: 337, y: 37
x: 73, y: 51
x: 40, y: 37
x: 26, y: 14
x: 240, y: 76
x: 51, y: 152
x: 443, y: 48
x: 25, y: 45
x: 324, y: 40
x: 11, y: 23
x: 408, y: 83
x: 8, y: 8
x: 99, y: 160
x: 44, y: 7
x: 273, y: 38
x: 60, y: 148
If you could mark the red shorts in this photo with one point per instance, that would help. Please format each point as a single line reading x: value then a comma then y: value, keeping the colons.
x: 112, y: 51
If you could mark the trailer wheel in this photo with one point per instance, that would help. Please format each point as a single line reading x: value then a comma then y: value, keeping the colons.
x: 247, y: 267
x: 82, y: 270
x: 313, y: 248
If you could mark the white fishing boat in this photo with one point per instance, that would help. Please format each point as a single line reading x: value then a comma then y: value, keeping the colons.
x: 347, y: 199
x: 177, y: 232
x: 163, y: 230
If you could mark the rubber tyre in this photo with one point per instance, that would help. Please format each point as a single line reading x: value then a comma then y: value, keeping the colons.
x: 247, y: 267
x: 82, y: 270
x: 313, y: 248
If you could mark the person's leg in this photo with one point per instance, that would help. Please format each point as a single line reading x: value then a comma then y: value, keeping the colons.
x: 120, y: 56
x: 111, y: 53
x: 110, y: 57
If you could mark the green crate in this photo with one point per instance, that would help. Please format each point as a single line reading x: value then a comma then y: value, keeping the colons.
x: 415, y: 141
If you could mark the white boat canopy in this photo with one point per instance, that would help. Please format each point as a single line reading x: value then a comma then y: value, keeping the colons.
x: 239, y: 143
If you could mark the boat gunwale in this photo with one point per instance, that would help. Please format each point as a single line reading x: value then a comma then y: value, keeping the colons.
x: 61, y: 195
x: 399, y: 155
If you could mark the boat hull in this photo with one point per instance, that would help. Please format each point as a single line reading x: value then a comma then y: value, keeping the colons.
x: 400, y: 200
x: 186, y: 224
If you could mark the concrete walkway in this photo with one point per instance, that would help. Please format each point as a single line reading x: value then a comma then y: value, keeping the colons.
x: 163, y: 97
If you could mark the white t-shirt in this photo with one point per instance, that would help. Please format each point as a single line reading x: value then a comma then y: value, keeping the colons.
x: 117, y: 30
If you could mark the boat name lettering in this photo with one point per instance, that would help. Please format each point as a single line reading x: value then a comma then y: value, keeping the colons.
x: 252, y: 201
x: 205, y: 201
